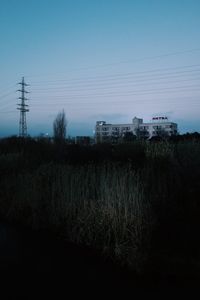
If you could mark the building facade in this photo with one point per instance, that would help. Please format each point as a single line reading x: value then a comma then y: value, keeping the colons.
x: 159, y: 126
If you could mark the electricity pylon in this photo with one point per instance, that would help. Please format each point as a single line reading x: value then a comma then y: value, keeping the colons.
x: 23, y: 108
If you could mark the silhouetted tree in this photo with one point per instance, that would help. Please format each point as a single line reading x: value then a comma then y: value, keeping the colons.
x: 60, y: 127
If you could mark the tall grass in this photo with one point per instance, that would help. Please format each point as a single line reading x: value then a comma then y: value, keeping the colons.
x: 118, y: 207
x: 102, y: 206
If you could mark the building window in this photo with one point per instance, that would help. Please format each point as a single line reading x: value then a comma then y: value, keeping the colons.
x: 115, y: 128
x: 115, y: 133
x: 144, y: 127
x: 105, y: 128
x: 125, y: 128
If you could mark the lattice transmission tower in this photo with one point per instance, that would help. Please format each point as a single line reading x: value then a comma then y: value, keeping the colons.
x: 23, y: 108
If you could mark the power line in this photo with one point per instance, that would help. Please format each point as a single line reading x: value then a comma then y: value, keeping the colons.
x: 6, y: 106
x: 7, y: 89
x: 8, y: 112
x: 110, y: 102
x: 6, y: 95
x: 125, y: 101
x: 104, y: 88
x: 175, y: 53
x: 120, y: 75
x: 133, y: 91
x: 108, y: 86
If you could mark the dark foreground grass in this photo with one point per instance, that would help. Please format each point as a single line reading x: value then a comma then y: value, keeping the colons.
x: 37, y: 264
x: 135, y: 203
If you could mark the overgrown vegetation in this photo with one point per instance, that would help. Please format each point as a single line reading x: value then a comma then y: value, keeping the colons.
x: 136, y: 202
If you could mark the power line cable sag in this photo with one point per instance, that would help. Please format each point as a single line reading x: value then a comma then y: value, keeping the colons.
x: 8, y: 112
x: 128, y: 61
x: 110, y: 86
x: 141, y: 78
x: 66, y: 102
x: 150, y: 101
x: 138, y: 91
x: 6, y: 95
x: 8, y: 88
x: 36, y: 92
x: 121, y: 75
x: 122, y: 81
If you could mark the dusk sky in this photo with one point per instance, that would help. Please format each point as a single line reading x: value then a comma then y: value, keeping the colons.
x: 106, y: 60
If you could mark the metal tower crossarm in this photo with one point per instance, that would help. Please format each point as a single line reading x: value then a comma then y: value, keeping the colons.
x: 23, y: 108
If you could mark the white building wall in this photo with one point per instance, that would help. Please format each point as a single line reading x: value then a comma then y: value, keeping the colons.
x: 105, y: 131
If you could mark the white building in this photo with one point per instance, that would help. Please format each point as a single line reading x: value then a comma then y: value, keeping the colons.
x: 159, y: 126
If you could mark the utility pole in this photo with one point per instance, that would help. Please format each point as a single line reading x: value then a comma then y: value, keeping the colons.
x: 23, y: 108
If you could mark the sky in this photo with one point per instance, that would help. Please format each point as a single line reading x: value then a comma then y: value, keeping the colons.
x: 106, y: 60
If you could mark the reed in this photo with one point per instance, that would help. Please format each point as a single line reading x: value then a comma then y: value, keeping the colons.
x: 118, y: 208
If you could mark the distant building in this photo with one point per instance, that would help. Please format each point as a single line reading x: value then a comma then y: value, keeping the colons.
x: 159, y: 126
